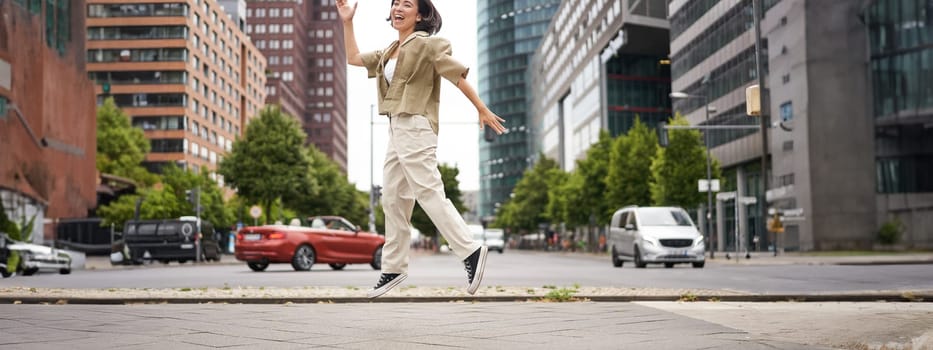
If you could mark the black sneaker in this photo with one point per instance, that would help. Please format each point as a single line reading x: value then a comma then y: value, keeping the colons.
x: 475, y: 264
x: 386, y: 283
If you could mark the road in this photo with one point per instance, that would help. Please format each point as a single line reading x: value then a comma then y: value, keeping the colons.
x: 512, y: 269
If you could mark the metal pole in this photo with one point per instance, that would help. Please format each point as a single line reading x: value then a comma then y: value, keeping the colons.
x: 709, y: 187
x: 197, y: 211
x: 372, y: 185
x: 763, y: 202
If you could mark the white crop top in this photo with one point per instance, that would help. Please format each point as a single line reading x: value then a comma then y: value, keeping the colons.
x: 389, y: 71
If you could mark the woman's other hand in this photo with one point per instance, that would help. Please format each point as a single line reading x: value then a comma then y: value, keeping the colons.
x: 345, y: 10
x: 488, y: 118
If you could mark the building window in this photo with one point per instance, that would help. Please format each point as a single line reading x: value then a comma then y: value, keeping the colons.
x: 787, y: 111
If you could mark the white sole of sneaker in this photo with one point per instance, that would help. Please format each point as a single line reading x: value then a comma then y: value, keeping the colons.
x: 480, y: 267
x: 387, y: 287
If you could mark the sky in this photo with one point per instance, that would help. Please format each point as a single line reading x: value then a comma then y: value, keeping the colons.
x: 458, y: 140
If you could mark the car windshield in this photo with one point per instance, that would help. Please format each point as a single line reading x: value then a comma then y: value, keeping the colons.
x: 663, y: 217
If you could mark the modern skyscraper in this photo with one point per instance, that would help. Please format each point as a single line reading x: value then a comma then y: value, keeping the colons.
x: 508, y: 34
x: 184, y: 71
x: 48, y: 122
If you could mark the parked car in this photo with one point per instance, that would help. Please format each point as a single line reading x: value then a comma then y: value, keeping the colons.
x: 167, y: 240
x: 34, y: 258
x: 4, y: 255
x: 649, y: 235
x: 331, y: 240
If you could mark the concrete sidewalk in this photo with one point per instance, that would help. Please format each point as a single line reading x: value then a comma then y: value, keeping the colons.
x: 522, y: 325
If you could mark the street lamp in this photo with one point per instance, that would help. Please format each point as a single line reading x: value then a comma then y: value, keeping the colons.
x: 709, y: 165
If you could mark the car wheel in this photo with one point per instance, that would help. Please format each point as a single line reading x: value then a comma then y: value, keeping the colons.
x: 303, y: 258
x: 64, y: 271
x: 182, y: 261
x: 639, y: 263
x: 615, y: 258
x: 257, y: 266
x: 668, y: 265
x: 377, y: 259
x: 699, y: 265
x: 5, y: 273
x: 337, y: 266
x: 30, y: 272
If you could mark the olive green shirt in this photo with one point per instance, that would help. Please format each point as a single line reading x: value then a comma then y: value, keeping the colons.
x: 415, y: 88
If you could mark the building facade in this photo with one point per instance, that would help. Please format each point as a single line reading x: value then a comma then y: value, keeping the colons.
x: 48, y: 121
x: 326, y: 115
x: 303, y: 43
x: 849, y: 144
x: 183, y: 70
x: 600, y: 65
x: 508, y: 34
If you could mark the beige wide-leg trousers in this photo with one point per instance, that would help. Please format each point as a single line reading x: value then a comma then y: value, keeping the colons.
x: 410, y: 173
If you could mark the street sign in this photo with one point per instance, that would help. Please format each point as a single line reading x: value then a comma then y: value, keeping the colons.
x: 255, y: 211
x: 703, y: 185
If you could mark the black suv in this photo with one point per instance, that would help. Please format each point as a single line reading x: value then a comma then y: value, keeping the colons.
x: 168, y: 240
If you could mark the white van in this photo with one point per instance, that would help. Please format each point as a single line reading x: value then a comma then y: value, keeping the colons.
x: 494, y: 238
x: 655, y: 235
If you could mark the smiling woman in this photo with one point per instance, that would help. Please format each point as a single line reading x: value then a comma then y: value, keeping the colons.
x: 408, y: 74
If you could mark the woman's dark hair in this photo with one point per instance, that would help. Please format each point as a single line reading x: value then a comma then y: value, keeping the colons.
x: 430, y: 17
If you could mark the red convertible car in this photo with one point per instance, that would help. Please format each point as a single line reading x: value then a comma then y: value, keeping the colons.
x: 330, y: 239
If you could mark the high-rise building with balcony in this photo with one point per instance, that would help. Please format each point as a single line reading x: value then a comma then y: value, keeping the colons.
x: 303, y: 43
x: 48, y: 122
x: 508, y: 34
x: 183, y: 70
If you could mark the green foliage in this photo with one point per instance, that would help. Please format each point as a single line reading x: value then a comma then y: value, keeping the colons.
x: 529, y: 202
x: 593, y: 169
x: 568, y: 190
x: 332, y: 194
x: 18, y: 232
x: 677, y: 168
x: 168, y: 201
x: 420, y: 219
x: 629, y: 175
x: 890, y: 231
x: 561, y: 295
x: 121, y: 148
x: 270, y: 162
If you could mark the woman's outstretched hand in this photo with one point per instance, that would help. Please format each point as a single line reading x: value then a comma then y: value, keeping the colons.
x: 489, y: 118
x: 345, y: 10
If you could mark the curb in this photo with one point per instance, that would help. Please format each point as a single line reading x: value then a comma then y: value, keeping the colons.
x: 763, y: 298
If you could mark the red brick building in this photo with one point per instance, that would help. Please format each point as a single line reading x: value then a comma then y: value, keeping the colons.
x: 47, y: 112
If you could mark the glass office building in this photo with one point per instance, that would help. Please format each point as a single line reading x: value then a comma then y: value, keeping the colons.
x: 901, y: 41
x: 508, y: 34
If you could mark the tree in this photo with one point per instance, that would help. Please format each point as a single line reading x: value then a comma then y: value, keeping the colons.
x: 677, y: 168
x: 121, y: 148
x: 157, y: 203
x: 593, y: 170
x: 213, y: 208
x: 528, y: 206
x: 629, y: 175
x: 270, y: 162
x: 420, y: 219
x: 333, y: 195
x: 567, y: 189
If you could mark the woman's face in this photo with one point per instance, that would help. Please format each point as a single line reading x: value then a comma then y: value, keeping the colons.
x: 404, y: 15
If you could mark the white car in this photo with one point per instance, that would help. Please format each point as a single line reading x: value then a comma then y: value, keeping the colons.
x: 35, y: 257
x: 655, y: 235
x: 494, y: 238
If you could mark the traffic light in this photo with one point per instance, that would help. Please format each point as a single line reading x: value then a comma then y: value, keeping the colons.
x: 189, y: 196
x: 377, y: 192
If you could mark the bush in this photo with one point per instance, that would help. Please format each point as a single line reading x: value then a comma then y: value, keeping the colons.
x: 890, y: 231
